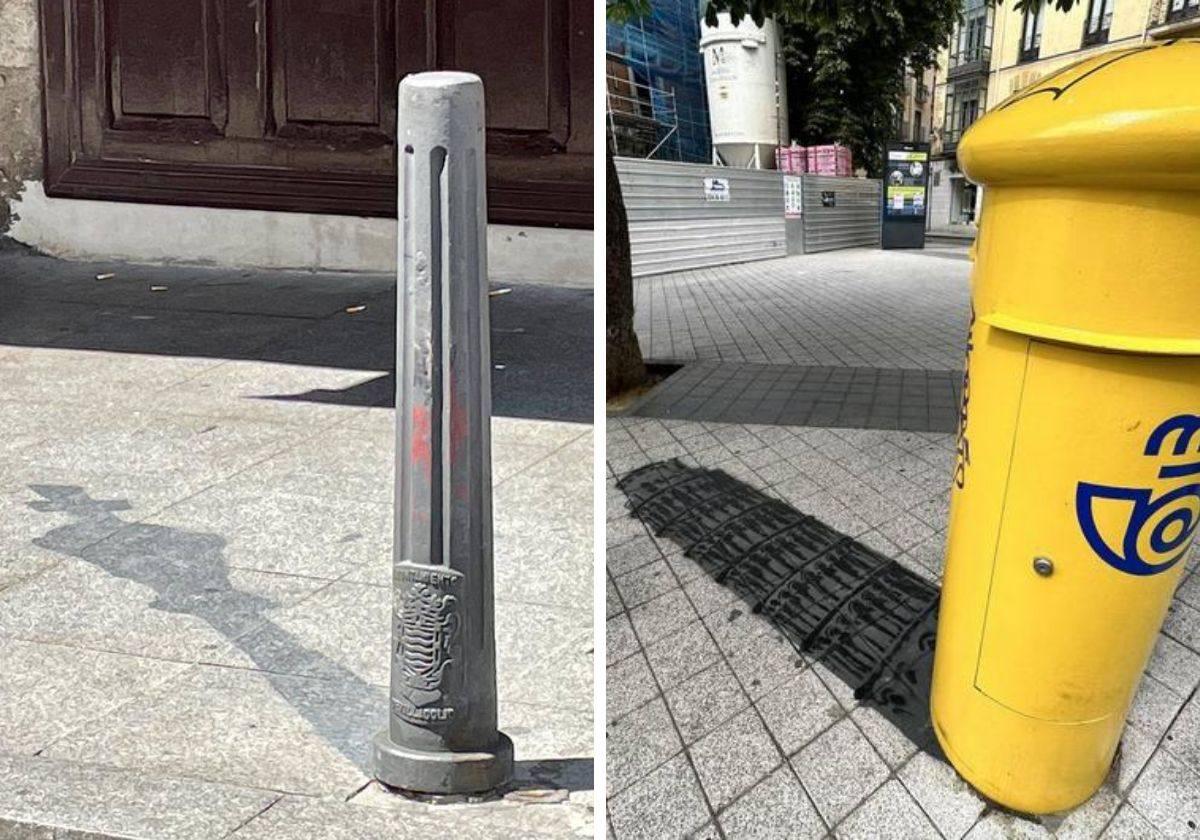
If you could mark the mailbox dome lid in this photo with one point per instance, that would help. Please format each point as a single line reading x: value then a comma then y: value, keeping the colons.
x: 1126, y: 117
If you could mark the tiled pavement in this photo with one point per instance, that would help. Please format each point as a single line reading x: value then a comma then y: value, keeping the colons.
x: 852, y: 339
x: 856, y: 308
x: 793, y: 395
x: 718, y: 728
x: 195, y: 551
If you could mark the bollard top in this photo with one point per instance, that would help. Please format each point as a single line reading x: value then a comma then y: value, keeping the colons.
x: 440, y: 79
x: 440, y: 108
x: 1124, y: 118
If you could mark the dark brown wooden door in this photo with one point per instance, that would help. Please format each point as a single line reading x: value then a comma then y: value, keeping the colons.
x: 291, y: 104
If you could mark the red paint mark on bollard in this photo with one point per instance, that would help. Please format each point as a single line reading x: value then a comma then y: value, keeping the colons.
x: 421, y: 453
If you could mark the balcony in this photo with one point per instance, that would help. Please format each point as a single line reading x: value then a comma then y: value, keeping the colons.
x: 922, y: 93
x: 950, y: 138
x: 1174, y: 18
x: 1095, y: 37
x: 971, y: 61
x: 1183, y: 11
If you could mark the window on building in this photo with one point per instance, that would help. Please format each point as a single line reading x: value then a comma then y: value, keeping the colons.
x: 976, y: 29
x: 1099, y: 19
x: 1181, y: 9
x: 972, y: 35
x: 968, y: 112
x: 918, y: 126
x: 962, y: 109
x: 1031, y: 33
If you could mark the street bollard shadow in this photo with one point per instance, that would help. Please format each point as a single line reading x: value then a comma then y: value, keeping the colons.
x: 189, y: 575
x: 863, y: 616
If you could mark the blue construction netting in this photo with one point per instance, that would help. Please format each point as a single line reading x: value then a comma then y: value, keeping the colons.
x: 661, y: 52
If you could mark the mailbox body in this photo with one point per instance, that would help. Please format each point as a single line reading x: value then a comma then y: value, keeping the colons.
x: 1077, y: 484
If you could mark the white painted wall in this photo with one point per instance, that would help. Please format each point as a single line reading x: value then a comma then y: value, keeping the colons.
x: 78, y: 229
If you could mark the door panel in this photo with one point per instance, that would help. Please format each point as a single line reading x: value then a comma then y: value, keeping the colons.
x: 332, y: 63
x: 290, y: 104
x: 1062, y: 647
x: 159, y: 58
x: 521, y: 59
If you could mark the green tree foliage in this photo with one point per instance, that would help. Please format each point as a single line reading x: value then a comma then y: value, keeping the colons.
x: 846, y: 62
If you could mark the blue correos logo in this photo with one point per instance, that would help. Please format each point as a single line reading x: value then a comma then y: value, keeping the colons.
x: 1160, y: 527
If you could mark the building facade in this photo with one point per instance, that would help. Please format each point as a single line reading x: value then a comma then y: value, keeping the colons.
x: 270, y: 127
x: 915, y: 114
x: 997, y: 51
x: 657, y: 105
x: 959, y: 98
x: 914, y: 117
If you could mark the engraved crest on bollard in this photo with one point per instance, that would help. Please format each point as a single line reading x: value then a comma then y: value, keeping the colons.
x: 427, y: 629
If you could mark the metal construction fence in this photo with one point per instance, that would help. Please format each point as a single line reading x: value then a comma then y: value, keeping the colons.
x: 685, y: 215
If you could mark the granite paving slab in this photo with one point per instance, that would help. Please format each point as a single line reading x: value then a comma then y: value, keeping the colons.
x: 296, y: 818
x: 864, y: 775
x: 113, y: 803
x: 249, y: 728
x: 914, y: 400
x: 261, y: 528
x: 851, y: 308
x: 145, y: 603
x: 340, y: 631
x: 195, y: 556
x: 49, y: 690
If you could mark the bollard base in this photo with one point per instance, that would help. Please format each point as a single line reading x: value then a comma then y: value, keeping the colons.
x: 442, y: 771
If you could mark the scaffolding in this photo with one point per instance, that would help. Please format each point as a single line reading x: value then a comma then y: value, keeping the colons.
x: 656, y: 101
x: 643, y: 121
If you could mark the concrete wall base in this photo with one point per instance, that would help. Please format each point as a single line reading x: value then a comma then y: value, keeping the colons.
x: 77, y: 229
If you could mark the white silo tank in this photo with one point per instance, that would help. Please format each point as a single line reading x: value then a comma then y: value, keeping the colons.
x: 747, y: 102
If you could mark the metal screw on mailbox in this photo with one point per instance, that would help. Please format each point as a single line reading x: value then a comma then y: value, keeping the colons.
x: 1044, y: 566
x: 442, y: 735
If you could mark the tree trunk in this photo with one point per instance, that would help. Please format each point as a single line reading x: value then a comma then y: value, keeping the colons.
x: 623, y: 363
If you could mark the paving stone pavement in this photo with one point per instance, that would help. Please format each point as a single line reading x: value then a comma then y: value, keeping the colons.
x: 195, y: 550
x: 855, y: 308
x: 852, y: 339
x: 798, y: 395
x: 717, y: 727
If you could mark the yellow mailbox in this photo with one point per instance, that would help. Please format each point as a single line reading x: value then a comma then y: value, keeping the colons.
x: 1077, y: 487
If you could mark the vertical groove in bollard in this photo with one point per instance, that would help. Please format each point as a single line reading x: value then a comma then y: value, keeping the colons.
x: 442, y: 735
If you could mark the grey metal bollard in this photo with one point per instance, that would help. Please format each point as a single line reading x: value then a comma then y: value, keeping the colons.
x: 442, y: 734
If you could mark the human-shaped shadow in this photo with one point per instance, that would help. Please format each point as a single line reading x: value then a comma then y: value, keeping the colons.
x: 188, y: 573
